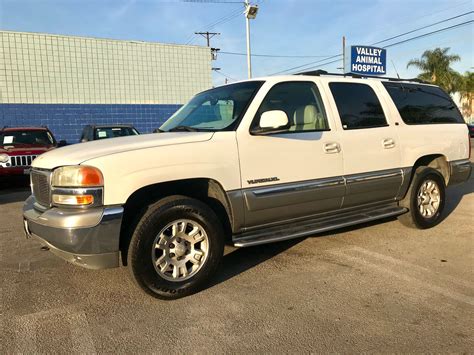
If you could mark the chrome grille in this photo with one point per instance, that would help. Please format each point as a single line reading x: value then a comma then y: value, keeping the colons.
x: 22, y: 160
x: 41, y: 186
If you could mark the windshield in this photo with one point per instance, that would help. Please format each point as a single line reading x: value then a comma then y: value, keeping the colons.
x: 213, y: 110
x: 112, y: 132
x: 26, y: 137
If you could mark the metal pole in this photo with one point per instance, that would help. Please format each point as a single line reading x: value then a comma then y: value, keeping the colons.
x: 249, y: 60
x: 343, y: 54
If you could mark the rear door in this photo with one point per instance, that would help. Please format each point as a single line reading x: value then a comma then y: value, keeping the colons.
x: 369, y: 142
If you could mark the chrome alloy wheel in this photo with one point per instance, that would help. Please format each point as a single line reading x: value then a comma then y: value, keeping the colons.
x: 180, y: 250
x: 428, y: 198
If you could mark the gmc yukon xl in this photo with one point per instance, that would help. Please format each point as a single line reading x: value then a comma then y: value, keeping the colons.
x: 248, y: 163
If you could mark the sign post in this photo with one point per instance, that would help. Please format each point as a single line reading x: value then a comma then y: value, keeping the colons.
x: 367, y: 60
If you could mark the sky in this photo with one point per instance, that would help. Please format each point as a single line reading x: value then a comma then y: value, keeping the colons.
x: 311, y: 29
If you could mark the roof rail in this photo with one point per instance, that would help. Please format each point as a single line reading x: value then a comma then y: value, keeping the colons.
x: 320, y: 72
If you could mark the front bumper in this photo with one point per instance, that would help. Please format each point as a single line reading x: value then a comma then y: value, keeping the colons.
x: 84, y: 237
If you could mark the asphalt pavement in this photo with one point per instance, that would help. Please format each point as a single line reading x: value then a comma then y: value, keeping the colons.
x: 378, y: 287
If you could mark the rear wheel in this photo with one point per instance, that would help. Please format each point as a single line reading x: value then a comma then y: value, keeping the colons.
x: 425, y: 199
x: 176, y: 247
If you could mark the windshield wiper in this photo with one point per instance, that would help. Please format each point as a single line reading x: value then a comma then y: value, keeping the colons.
x: 183, y: 129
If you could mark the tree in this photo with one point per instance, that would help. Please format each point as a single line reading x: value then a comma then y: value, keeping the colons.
x: 436, y: 68
x: 466, y: 91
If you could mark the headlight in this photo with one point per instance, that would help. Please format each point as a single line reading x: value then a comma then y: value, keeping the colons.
x: 77, y: 186
x: 77, y: 176
x: 4, y: 158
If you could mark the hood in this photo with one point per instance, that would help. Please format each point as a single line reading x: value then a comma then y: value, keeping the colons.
x: 81, y: 152
x: 24, y: 149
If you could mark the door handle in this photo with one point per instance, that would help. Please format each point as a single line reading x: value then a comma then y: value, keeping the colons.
x: 331, y: 148
x: 388, y: 143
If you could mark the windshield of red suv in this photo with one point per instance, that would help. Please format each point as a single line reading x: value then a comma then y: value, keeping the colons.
x: 29, y: 137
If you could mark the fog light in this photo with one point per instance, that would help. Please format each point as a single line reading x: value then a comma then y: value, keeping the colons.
x: 73, y: 200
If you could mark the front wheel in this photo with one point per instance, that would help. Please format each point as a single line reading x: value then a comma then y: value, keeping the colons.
x: 176, y: 247
x: 425, y: 199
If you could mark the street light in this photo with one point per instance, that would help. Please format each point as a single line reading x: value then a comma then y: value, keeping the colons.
x: 250, y: 14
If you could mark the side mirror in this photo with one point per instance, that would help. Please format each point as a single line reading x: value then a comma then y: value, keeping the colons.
x: 62, y: 143
x: 273, y: 122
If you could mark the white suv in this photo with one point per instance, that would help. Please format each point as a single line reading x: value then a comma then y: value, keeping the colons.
x: 248, y: 163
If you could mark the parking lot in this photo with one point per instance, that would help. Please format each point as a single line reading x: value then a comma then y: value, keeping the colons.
x: 379, y: 287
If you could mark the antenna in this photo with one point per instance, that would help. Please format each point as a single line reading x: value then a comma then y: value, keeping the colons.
x: 394, y: 67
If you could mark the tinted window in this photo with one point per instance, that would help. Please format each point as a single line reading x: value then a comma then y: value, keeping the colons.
x: 421, y: 104
x: 112, y: 132
x: 302, y: 104
x: 358, y: 105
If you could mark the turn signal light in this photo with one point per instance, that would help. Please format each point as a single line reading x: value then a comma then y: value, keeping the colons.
x: 73, y: 200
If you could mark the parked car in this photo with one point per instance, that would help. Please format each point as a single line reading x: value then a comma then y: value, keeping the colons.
x: 93, y: 132
x: 19, y: 146
x: 470, y: 127
x: 249, y: 163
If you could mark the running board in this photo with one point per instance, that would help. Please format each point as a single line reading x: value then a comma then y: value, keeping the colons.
x: 308, y: 227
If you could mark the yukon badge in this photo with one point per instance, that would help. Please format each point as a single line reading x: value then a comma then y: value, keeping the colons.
x: 260, y: 181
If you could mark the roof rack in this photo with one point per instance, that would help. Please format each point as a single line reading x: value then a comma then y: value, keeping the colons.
x: 320, y: 72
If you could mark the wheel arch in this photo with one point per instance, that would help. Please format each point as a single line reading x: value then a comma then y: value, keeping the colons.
x: 438, y: 162
x: 206, y: 190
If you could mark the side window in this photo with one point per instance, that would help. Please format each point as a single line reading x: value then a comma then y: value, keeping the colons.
x: 422, y: 104
x: 302, y: 104
x: 358, y: 106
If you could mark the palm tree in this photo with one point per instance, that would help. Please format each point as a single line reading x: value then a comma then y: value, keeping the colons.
x: 436, y: 68
x: 466, y: 91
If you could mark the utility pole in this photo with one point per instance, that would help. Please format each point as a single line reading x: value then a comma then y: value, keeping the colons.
x: 343, y: 54
x: 250, y: 14
x: 207, y: 36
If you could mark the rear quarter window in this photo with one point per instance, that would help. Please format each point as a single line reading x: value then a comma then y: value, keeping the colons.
x: 422, y: 104
x: 358, y: 105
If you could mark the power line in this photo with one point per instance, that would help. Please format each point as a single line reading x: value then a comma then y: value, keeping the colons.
x: 409, y: 39
x: 227, y: 17
x: 384, y: 40
x: 212, y: 1
x: 225, y: 75
x: 278, y: 56
x: 422, y: 28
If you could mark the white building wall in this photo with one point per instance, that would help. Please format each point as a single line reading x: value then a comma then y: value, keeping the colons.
x: 50, y: 69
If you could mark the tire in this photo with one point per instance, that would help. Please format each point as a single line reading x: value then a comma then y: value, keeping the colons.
x: 184, y: 239
x: 424, y: 208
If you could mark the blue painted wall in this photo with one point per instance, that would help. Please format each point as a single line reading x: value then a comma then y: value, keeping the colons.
x: 67, y: 121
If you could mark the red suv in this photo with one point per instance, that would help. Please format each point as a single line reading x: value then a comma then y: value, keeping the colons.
x: 20, y: 145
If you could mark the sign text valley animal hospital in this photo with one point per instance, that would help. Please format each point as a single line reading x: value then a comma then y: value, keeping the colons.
x: 368, y: 60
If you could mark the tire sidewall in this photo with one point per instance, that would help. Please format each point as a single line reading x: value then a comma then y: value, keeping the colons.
x: 152, y: 223
x: 421, y: 177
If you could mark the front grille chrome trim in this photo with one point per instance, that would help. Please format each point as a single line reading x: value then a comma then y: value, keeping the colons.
x: 41, y: 186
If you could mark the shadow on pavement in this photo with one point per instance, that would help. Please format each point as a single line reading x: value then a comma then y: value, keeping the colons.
x: 14, y: 189
x: 243, y: 259
x: 455, y: 194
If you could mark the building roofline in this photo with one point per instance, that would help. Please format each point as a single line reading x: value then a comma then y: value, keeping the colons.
x: 101, y: 38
